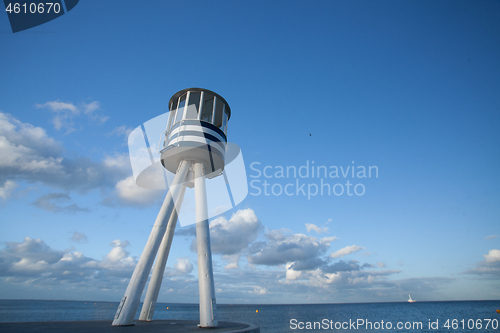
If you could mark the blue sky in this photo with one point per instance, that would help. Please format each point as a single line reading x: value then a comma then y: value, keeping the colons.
x: 409, y: 87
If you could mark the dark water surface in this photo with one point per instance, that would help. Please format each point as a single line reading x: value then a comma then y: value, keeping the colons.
x: 457, y: 316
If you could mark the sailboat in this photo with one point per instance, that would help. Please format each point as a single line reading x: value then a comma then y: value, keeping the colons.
x: 410, y: 300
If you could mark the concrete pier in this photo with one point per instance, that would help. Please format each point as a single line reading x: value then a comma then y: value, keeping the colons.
x: 104, y: 326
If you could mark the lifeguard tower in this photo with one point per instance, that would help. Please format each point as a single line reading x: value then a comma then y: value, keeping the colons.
x: 194, y: 149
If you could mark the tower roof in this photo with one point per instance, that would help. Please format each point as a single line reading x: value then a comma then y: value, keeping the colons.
x: 180, y: 93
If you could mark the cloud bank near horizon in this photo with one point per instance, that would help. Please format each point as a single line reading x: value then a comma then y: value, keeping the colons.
x: 262, y: 266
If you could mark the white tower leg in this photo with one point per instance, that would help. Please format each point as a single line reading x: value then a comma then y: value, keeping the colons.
x: 130, y: 301
x: 208, y: 306
x: 148, y: 307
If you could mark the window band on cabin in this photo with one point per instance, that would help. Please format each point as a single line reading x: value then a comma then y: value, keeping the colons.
x: 197, y: 127
x: 199, y: 104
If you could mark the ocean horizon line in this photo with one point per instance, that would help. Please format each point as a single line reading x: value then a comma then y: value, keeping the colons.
x: 260, y: 304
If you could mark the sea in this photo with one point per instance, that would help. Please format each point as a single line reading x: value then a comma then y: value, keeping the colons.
x: 452, y: 316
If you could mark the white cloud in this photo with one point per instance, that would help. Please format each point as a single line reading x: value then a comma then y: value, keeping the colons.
x: 342, y: 266
x: 281, y: 248
x: 489, y: 267
x: 30, y: 249
x: 181, y: 267
x: 90, y: 110
x: 284, y: 285
x: 119, y: 162
x: 490, y: 237
x: 118, y: 252
x: 7, y: 188
x: 310, y: 226
x: 302, y: 275
x: 65, y: 112
x: 29, y: 154
x: 26, y: 135
x: 345, y: 251
x: 292, y: 274
x: 26, y: 159
x: 79, y: 237
x: 129, y: 193
x: 232, y: 237
x: 122, y: 131
x: 343, y: 281
x: 232, y: 265
x: 53, y: 202
x: 238, y: 236
x: 33, y: 263
x: 492, y: 256
x: 229, y: 237
x: 34, y: 260
x: 26, y: 148
x: 58, y: 106
x: 260, y: 291
x: 233, y: 261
